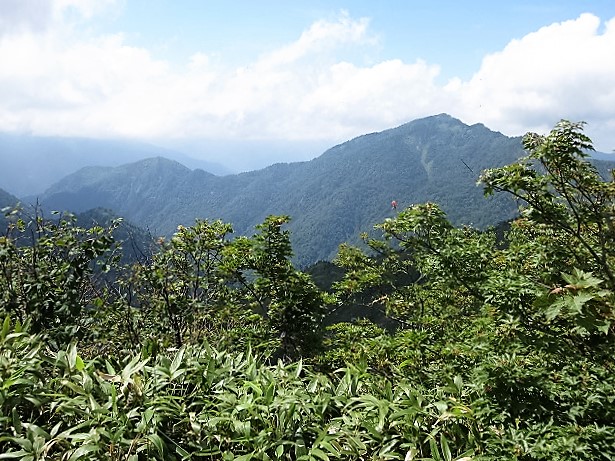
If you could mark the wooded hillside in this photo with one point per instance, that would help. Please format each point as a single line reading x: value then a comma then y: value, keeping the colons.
x: 216, y: 348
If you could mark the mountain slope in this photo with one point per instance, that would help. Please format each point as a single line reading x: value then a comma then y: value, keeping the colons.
x: 6, y: 201
x: 137, y: 244
x: 30, y: 164
x: 331, y: 199
x: 138, y: 191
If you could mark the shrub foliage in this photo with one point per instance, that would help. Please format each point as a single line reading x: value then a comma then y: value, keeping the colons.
x: 216, y: 347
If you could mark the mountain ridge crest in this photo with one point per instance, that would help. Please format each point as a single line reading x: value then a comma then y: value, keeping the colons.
x: 331, y: 199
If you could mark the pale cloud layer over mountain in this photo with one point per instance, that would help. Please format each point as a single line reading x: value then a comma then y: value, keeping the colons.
x: 60, y: 75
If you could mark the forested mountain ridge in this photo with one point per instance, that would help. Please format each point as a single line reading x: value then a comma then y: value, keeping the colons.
x: 217, y: 347
x: 30, y: 164
x: 7, y: 199
x: 136, y: 243
x: 331, y: 199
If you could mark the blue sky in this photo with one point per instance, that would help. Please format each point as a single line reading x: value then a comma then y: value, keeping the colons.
x: 454, y: 34
x: 301, y: 75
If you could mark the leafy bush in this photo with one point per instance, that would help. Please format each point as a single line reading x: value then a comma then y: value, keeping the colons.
x: 215, y: 348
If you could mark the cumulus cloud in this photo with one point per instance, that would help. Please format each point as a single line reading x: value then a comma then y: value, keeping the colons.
x: 85, y: 8
x: 55, y: 81
x: 320, y: 36
x: 24, y: 15
x: 102, y: 86
x: 38, y: 16
x: 564, y: 70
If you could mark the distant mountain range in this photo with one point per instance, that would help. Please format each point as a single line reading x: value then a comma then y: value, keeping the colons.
x: 31, y: 164
x: 6, y: 201
x: 331, y: 199
x: 137, y: 244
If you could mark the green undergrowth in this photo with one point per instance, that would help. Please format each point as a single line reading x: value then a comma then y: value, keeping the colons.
x: 218, y: 348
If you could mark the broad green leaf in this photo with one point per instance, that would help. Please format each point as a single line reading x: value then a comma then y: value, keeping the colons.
x: 21, y: 454
x: 446, y: 451
x: 79, y: 365
x: 318, y: 453
x: 177, y: 360
x: 6, y: 327
x: 157, y: 442
x: 82, y: 451
x: 435, y: 452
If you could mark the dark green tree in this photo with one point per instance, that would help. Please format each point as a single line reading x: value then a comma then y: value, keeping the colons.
x: 287, y: 298
x: 202, y: 285
x: 566, y: 233
x: 561, y: 193
x: 46, y: 274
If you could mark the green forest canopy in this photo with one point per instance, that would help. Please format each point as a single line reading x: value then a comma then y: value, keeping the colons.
x: 215, y: 348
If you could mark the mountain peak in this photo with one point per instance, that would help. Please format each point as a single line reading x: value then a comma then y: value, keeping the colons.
x: 438, y: 118
x: 442, y: 116
x: 159, y: 162
x: 331, y: 199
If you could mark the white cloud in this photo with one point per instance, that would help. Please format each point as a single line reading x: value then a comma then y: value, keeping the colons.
x: 38, y: 16
x: 565, y: 70
x: 55, y: 81
x: 321, y: 36
x: 361, y: 99
x: 25, y: 15
x: 85, y: 8
x: 55, y: 84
